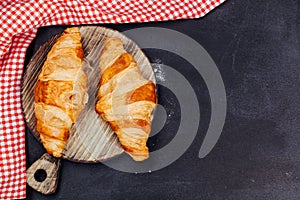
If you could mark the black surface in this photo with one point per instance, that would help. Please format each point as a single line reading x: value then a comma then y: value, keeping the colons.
x: 255, y: 45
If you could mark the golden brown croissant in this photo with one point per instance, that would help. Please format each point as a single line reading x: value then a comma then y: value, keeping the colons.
x: 60, y: 92
x: 125, y: 98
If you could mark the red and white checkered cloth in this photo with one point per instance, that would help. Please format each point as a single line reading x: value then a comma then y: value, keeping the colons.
x: 19, y: 21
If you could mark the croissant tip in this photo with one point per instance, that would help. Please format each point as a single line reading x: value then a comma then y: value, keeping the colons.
x: 139, y: 157
x: 71, y: 30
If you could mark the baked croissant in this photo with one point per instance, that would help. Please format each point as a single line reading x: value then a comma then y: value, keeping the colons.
x: 60, y: 91
x: 125, y: 98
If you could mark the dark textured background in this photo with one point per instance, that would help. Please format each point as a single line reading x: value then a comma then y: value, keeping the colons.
x: 255, y: 45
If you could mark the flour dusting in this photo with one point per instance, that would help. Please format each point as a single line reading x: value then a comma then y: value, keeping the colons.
x: 158, y: 70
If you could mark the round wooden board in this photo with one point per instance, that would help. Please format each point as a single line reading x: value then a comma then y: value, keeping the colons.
x: 91, y: 138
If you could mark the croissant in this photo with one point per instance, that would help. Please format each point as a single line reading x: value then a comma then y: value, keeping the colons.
x: 125, y: 98
x: 60, y: 91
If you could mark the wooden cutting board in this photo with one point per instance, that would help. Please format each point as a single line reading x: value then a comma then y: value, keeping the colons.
x: 91, y: 138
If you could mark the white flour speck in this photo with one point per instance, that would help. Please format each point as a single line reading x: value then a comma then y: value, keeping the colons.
x: 158, y: 70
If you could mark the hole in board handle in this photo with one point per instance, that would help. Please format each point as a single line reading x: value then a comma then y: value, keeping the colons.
x: 40, y: 175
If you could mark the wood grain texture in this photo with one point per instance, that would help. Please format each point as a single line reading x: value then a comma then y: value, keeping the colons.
x: 91, y: 138
x: 51, y: 166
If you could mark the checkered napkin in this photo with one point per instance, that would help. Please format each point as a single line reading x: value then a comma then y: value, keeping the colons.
x: 19, y: 21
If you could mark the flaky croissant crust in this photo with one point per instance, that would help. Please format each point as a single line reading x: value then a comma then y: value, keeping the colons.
x: 60, y: 91
x: 125, y: 99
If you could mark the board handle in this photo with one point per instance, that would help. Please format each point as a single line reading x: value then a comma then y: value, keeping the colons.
x: 42, y: 175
